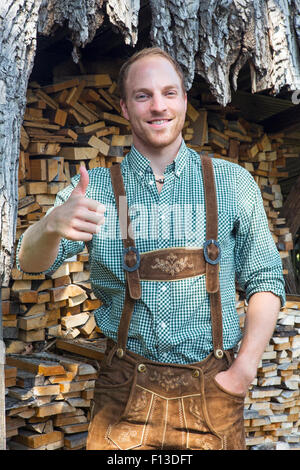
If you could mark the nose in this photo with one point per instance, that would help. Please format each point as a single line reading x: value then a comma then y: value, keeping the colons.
x: 158, y: 103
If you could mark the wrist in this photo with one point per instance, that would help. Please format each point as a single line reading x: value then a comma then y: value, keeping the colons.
x: 244, y: 370
x: 234, y: 380
x: 50, y: 226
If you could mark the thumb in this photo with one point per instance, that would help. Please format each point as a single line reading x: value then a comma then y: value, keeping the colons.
x: 83, y: 182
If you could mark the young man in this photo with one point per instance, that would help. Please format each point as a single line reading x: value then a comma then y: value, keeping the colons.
x: 166, y: 275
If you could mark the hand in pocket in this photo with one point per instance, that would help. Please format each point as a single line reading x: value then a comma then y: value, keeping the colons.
x: 231, y: 383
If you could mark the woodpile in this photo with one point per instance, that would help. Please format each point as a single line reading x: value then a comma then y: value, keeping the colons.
x: 78, y: 122
x: 48, y: 400
x: 36, y: 308
x: 272, y: 406
x: 263, y: 155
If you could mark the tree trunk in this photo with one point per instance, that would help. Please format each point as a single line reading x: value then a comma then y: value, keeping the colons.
x: 17, y: 49
x: 212, y: 39
x: 21, y: 20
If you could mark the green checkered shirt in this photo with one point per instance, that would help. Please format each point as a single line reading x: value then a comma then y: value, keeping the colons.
x: 171, y: 321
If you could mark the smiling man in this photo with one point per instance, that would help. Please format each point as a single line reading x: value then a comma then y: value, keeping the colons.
x: 171, y: 378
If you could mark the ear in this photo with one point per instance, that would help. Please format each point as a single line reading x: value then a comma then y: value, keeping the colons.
x: 185, y: 101
x: 124, y: 109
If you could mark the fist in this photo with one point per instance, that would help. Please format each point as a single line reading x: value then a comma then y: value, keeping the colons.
x: 79, y: 218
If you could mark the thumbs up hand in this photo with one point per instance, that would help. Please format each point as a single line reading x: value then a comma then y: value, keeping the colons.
x: 79, y: 218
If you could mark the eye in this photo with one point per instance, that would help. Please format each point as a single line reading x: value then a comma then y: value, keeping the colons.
x: 141, y: 96
x: 171, y: 93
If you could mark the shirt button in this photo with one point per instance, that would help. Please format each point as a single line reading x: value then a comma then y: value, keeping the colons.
x: 163, y: 216
x: 163, y: 325
x: 151, y: 182
x: 163, y: 288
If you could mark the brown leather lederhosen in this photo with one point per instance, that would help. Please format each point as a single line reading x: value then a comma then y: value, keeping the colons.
x: 141, y: 404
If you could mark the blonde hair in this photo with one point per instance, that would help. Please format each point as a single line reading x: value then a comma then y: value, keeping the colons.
x: 149, y: 51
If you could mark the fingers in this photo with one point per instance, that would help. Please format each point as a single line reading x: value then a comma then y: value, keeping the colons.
x: 83, y: 226
x: 94, y: 217
x: 92, y: 205
x: 77, y: 236
x: 83, y: 182
x: 80, y: 190
x: 85, y: 222
x: 82, y: 230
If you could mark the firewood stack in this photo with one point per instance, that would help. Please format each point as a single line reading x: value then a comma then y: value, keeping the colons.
x: 272, y: 406
x: 263, y: 155
x: 78, y: 122
x: 48, y: 405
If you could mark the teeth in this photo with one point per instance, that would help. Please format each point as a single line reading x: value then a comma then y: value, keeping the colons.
x: 159, y: 122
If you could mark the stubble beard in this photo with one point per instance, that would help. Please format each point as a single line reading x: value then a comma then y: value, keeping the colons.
x: 161, y: 139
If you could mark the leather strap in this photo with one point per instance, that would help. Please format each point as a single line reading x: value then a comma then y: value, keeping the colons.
x: 133, y: 288
x: 132, y: 277
x: 212, y: 270
x: 211, y: 207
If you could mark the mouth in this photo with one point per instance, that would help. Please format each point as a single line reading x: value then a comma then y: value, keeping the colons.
x: 158, y: 123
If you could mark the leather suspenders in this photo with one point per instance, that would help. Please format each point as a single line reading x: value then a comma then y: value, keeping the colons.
x: 206, y: 260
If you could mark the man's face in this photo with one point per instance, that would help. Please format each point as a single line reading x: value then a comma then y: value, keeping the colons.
x: 155, y: 103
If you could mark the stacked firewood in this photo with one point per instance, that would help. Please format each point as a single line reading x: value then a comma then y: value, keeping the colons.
x: 78, y: 122
x: 48, y: 399
x: 263, y: 155
x: 272, y: 406
x: 38, y: 308
x: 65, y: 125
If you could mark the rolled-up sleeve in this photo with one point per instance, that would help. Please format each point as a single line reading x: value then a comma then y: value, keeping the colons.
x: 257, y: 260
x: 67, y: 248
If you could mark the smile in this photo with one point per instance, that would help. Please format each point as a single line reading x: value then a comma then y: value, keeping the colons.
x: 159, y: 122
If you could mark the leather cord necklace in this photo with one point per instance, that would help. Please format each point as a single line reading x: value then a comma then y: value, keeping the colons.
x: 160, y: 180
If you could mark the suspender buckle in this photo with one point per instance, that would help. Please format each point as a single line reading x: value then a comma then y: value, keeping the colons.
x: 138, y: 259
x: 207, y: 258
x: 218, y: 353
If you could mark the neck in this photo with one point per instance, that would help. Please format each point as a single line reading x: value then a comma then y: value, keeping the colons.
x: 159, y: 157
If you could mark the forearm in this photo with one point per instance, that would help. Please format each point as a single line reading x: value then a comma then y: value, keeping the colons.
x: 39, y: 247
x: 261, y: 317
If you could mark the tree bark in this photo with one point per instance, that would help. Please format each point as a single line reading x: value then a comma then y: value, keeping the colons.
x: 216, y: 39
x: 125, y: 16
x: 175, y: 28
x: 17, y: 49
